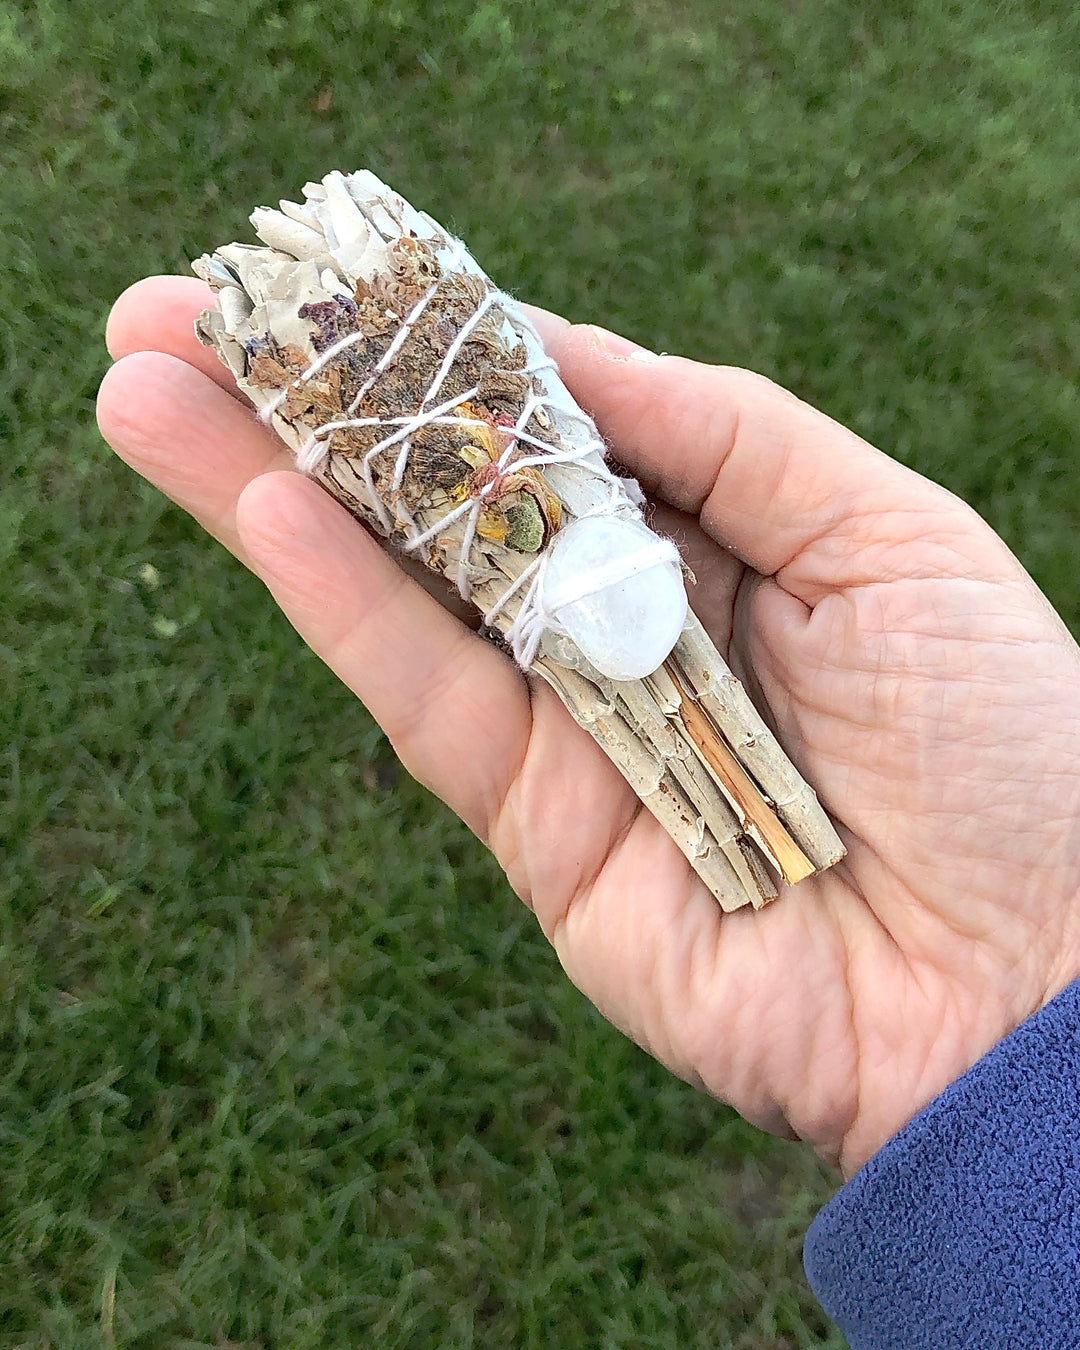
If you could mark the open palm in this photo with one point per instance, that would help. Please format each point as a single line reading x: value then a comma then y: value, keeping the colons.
x: 912, y: 669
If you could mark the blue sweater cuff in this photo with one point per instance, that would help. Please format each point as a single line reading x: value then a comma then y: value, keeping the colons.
x: 964, y: 1230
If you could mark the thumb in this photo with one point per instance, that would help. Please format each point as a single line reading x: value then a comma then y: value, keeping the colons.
x: 789, y: 490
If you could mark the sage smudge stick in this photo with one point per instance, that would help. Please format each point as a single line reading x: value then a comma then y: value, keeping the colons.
x: 420, y: 397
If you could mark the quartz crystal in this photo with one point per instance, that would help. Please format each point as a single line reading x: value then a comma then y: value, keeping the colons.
x: 624, y: 620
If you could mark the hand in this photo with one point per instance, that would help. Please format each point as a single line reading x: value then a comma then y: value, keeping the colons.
x: 916, y: 676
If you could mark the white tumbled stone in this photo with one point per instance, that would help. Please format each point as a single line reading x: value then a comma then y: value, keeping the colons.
x: 616, y: 589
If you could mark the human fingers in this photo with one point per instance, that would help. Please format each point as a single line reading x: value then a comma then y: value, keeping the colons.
x: 549, y: 325
x: 157, y: 314
x: 788, y: 489
x: 393, y: 644
x: 455, y: 709
x: 179, y: 430
x: 183, y: 433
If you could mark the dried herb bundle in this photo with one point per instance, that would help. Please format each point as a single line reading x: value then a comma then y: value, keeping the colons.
x: 420, y: 397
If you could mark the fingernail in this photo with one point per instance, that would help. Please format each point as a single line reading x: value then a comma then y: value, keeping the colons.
x: 621, y: 348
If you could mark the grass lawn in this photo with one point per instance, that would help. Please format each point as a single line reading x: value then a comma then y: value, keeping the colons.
x: 283, y: 1063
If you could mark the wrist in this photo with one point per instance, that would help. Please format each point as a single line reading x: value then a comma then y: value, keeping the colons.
x: 964, y: 1229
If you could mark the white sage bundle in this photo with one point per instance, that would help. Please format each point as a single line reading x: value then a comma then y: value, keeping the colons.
x: 420, y: 396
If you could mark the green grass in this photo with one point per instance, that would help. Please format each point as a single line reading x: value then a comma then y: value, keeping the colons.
x: 282, y: 1062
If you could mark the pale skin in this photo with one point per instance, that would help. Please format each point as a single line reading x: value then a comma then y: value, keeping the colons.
x: 913, y: 670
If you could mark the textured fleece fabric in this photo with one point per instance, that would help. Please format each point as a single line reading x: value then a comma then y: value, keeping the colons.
x: 964, y: 1230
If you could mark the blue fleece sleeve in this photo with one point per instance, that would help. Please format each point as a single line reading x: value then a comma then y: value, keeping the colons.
x: 964, y: 1230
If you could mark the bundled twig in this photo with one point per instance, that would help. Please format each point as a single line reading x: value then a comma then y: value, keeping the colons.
x: 421, y: 398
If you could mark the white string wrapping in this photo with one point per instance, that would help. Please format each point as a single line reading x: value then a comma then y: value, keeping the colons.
x: 537, y: 613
